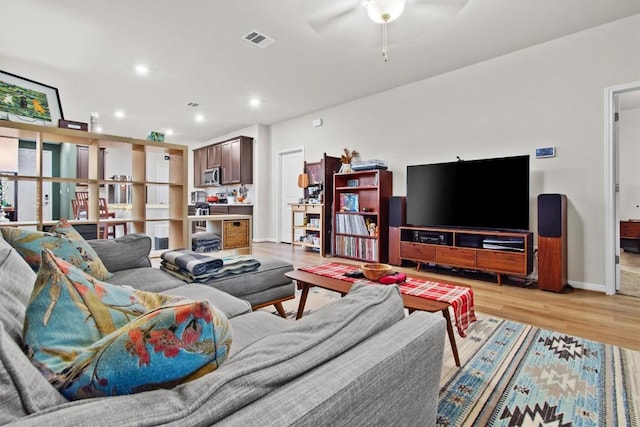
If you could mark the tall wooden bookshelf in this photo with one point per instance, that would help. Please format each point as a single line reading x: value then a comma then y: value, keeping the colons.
x: 64, y: 178
x: 361, y: 215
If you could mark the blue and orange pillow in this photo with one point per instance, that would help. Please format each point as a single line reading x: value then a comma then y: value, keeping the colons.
x: 91, y: 338
x: 63, y: 240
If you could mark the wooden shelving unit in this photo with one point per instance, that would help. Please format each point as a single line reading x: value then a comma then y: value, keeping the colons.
x: 234, y: 231
x: 307, y: 231
x: 321, y: 177
x: 359, y: 200
x: 64, y: 142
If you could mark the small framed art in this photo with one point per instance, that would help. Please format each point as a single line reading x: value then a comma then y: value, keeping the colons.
x: 26, y: 100
x: 353, y: 182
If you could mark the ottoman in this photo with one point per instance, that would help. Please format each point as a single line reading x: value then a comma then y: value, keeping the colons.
x: 265, y: 286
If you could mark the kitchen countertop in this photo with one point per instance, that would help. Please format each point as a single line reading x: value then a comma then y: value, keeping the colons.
x: 220, y: 217
x: 225, y: 204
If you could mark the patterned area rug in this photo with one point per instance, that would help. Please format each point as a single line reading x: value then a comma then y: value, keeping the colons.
x: 518, y: 375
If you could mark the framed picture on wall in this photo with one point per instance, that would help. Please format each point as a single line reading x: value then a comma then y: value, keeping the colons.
x: 26, y: 100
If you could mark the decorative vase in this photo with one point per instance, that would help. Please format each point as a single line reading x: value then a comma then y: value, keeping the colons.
x: 346, y: 167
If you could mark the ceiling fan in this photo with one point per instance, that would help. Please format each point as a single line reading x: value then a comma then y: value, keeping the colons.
x: 362, y: 20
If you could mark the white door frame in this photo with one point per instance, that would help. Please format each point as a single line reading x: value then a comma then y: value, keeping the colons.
x: 280, y: 155
x: 611, y: 184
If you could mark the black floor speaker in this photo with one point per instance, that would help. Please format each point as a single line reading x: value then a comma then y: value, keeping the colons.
x: 552, y: 242
x: 397, y: 218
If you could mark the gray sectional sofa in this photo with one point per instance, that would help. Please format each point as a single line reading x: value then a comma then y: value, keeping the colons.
x: 356, y: 361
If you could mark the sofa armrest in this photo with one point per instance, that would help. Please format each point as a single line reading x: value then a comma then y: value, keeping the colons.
x: 393, y: 378
x: 125, y: 252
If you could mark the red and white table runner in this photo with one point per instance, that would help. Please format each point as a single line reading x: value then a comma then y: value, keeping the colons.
x: 460, y: 297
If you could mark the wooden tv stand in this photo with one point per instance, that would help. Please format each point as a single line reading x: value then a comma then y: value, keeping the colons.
x: 499, y: 252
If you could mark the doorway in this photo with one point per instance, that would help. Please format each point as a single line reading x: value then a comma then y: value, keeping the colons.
x: 27, y: 200
x: 290, y: 165
x: 615, y: 211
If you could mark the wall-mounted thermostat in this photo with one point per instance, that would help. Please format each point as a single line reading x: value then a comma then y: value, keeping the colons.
x: 545, y: 152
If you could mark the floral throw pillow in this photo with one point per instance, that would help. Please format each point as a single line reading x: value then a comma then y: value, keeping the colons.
x: 63, y: 240
x: 91, y: 338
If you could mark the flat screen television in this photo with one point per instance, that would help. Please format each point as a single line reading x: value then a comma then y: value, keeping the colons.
x: 485, y: 194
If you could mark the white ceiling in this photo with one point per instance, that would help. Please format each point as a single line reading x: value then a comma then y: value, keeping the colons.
x: 88, y: 48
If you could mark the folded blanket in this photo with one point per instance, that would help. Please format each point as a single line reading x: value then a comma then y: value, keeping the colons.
x: 194, y: 263
x: 207, y: 248
x: 204, y: 236
x: 232, y: 265
x: 236, y: 264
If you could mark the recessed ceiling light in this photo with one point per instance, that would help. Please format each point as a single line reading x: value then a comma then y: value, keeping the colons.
x: 199, y: 118
x: 168, y: 132
x: 255, y: 102
x: 119, y: 114
x: 142, y: 70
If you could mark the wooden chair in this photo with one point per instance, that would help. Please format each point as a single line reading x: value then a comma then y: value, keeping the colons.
x: 108, y: 229
x: 80, y: 205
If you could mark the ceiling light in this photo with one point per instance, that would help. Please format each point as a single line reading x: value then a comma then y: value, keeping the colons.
x: 119, y: 114
x: 255, y: 102
x: 199, y: 118
x: 168, y: 132
x: 383, y: 12
x: 142, y: 69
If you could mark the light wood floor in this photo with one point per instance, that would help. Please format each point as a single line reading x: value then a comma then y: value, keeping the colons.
x: 588, y: 314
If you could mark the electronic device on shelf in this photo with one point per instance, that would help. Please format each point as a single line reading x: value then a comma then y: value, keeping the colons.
x: 368, y: 165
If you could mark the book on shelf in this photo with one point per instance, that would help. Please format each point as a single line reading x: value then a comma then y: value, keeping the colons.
x: 355, y: 247
x: 351, y: 224
x: 349, y: 202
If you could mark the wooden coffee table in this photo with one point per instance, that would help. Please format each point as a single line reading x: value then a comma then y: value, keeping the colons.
x: 306, y: 280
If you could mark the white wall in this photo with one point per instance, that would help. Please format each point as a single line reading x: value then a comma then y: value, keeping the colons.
x: 548, y: 95
x: 629, y: 137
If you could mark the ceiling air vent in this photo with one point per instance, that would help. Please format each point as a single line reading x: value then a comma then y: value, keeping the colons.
x: 258, y: 39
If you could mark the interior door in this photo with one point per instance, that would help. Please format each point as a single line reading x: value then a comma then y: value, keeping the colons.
x: 625, y: 127
x: 27, y: 191
x: 291, y: 164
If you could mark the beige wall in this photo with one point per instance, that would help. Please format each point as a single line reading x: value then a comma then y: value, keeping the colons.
x: 548, y: 95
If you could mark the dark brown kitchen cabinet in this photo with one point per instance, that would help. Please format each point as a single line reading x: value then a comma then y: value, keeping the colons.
x: 214, y: 156
x: 237, y: 161
x: 199, y: 165
x: 82, y: 162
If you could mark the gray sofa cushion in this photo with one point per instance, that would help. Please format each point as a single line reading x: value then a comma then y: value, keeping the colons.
x: 228, y: 304
x: 23, y: 389
x: 146, y: 279
x: 251, y: 327
x: 268, y: 279
x: 125, y: 252
x: 391, y: 379
x: 16, y: 285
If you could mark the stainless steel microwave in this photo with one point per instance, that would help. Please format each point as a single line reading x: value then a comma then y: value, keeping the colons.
x: 211, y: 177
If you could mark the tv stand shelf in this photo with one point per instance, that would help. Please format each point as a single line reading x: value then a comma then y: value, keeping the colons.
x: 499, y: 252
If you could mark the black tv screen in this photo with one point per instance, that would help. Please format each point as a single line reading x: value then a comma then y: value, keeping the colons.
x: 487, y: 193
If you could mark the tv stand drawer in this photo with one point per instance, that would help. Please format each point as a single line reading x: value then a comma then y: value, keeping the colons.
x: 456, y: 256
x: 506, y: 262
x: 417, y: 251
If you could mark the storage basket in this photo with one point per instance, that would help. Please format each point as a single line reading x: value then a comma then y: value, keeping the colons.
x: 235, y: 234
